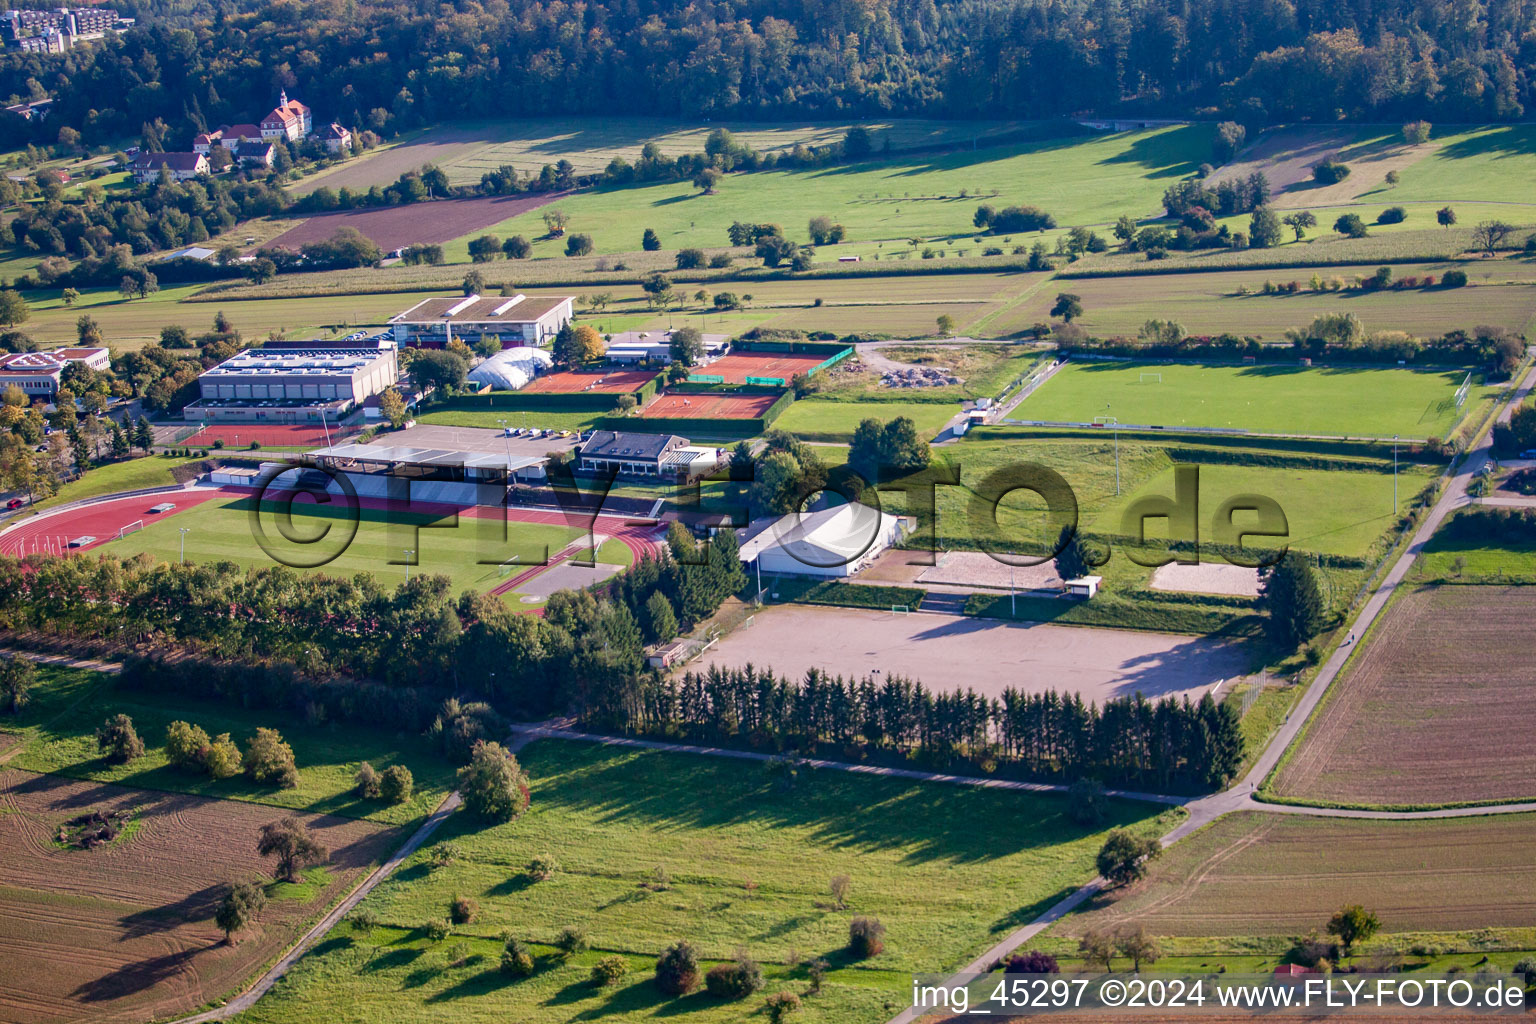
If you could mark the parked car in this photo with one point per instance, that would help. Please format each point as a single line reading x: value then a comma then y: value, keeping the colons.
x: 15, y: 503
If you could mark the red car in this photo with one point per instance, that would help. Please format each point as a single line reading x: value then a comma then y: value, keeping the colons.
x: 15, y: 503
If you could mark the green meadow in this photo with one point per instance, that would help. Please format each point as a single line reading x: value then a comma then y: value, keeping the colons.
x: 654, y: 847
x: 1086, y: 179
x: 67, y: 706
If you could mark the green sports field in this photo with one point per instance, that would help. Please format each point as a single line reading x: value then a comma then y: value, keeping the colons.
x: 1334, y: 512
x: 747, y: 862
x: 1344, y: 401
x: 468, y: 553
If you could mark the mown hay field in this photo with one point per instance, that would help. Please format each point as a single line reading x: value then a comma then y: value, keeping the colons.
x: 468, y: 150
x: 1214, y: 303
x: 1079, y: 180
x: 1435, y: 708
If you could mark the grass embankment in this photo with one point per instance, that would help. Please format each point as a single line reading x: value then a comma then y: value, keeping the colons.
x: 131, y: 475
x: 747, y: 864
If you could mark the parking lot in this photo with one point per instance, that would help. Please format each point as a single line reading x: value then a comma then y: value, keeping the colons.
x: 476, y: 439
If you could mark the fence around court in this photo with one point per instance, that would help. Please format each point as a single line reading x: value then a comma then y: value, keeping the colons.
x: 829, y: 362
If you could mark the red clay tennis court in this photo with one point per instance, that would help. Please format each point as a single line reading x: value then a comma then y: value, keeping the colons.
x: 569, y: 382
x: 268, y: 435
x: 707, y: 406
x: 738, y: 366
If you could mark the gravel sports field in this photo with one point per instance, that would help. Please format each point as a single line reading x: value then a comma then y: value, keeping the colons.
x: 987, y: 655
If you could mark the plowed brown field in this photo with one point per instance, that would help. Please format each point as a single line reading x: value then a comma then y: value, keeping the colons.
x: 1436, y: 710
x: 393, y: 227
x: 125, y: 932
x: 1274, y: 874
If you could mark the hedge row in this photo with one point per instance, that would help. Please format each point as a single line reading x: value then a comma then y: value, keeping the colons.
x: 280, y: 686
x: 848, y: 595
x: 1151, y: 269
x: 807, y: 348
x: 580, y: 401
x: 1360, y: 449
x: 1113, y: 613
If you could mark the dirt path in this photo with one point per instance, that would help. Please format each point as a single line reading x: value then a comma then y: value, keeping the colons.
x: 245, y: 1000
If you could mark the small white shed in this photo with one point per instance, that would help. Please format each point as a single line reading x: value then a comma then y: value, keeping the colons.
x: 1084, y: 586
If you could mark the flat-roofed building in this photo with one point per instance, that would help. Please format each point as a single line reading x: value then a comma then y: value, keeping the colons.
x: 658, y: 456
x: 38, y: 373
x: 515, y: 320
x: 656, y: 346
x: 293, y: 384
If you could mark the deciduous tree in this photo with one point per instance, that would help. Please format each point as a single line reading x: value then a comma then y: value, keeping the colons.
x: 492, y: 784
x: 291, y: 844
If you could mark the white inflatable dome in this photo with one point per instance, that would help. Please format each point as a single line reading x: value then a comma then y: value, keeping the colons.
x: 511, y: 368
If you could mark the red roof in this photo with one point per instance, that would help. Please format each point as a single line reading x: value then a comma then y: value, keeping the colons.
x: 1293, y: 971
x: 240, y: 131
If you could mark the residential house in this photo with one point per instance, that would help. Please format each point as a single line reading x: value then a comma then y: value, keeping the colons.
x: 255, y: 153
x: 337, y: 139
x: 232, y: 135
x: 146, y: 166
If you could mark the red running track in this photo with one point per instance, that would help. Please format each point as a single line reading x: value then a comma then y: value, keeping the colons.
x: 52, y: 533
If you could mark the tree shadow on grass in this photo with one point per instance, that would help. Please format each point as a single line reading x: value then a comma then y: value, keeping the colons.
x: 481, y: 983
x: 1512, y: 140
x: 392, y: 960
x: 515, y: 884
x: 926, y: 821
x: 1023, y: 915
x: 640, y: 997
x: 789, y: 924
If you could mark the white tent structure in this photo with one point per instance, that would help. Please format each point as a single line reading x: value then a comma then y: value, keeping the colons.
x: 833, y: 542
x: 511, y: 368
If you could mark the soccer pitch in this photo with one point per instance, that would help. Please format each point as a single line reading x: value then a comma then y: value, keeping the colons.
x: 1340, y: 401
x: 470, y: 552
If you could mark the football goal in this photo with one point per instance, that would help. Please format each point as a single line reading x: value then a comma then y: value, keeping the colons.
x: 1154, y: 377
x: 1461, y: 392
x: 137, y: 524
x: 901, y: 609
